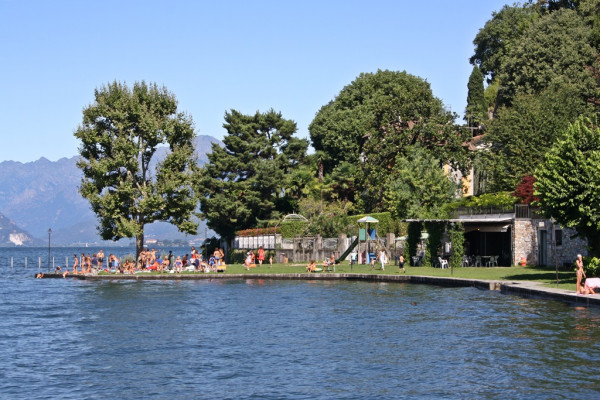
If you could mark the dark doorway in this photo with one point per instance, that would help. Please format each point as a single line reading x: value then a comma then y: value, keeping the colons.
x: 487, y: 241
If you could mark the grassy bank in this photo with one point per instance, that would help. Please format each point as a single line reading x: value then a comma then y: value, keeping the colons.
x: 544, y: 275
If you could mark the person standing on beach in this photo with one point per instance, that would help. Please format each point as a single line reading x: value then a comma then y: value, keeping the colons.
x: 382, y: 259
x: 401, y: 264
x: 261, y: 256
x: 580, y: 273
x: 75, y: 264
x: 100, y: 256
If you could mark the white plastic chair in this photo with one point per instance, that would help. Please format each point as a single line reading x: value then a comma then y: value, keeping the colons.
x: 493, y: 261
x: 478, y: 261
x: 466, y: 262
x: 443, y: 263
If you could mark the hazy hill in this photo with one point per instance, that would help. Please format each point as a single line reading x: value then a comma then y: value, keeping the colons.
x: 44, y: 194
x: 12, y: 235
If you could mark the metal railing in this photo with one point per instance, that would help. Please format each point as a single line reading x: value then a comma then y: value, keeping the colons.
x: 518, y: 211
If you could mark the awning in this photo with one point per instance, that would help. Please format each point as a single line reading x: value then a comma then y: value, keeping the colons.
x: 367, y: 219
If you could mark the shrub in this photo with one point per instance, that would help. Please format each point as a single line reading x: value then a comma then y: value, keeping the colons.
x: 591, y: 266
x: 289, y: 229
x: 387, y: 224
x: 457, y: 235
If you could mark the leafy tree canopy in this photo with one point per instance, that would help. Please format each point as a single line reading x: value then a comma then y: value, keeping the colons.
x: 568, y: 183
x: 521, y: 134
x: 418, y: 188
x: 244, y: 181
x: 126, y: 184
x: 379, y: 116
x: 554, y: 51
x: 498, y: 35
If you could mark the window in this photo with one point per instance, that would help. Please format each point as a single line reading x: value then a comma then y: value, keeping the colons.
x: 558, y: 236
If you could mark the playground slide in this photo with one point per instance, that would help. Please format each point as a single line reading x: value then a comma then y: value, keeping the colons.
x: 348, y: 250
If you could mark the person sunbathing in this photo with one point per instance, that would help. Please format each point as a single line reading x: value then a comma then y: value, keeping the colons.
x: 591, y: 284
x: 312, y: 266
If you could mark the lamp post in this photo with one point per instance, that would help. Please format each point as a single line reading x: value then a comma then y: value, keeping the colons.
x: 451, y: 249
x: 49, y: 234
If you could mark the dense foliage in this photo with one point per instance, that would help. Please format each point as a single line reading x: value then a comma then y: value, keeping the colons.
x: 476, y: 112
x: 457, y: 237
x: 413, y: 239
x: 378, y: 117
x: 435, y: 230
x: 521, y: 134
x: 568, y: 182
x: 244, y: 181
x: 418, y: 188
x: 125, y: 182
x: 542, y: 64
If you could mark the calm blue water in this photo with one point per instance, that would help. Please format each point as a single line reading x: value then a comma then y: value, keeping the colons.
x: 241, y: 339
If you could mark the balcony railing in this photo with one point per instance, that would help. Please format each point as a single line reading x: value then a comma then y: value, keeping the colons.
x: 517, y: 211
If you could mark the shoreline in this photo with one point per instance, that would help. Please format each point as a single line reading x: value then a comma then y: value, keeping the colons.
x: 527, y: 289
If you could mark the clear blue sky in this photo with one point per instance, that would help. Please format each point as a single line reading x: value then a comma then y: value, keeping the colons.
x: 215, y: 56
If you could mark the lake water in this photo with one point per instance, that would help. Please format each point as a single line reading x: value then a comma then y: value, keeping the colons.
x: 245, y: 339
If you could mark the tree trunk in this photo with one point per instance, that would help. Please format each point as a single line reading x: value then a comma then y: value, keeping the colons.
x: 139, y: 246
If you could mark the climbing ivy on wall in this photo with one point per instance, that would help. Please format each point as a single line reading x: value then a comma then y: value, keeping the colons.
x: 457, y: 236
x: 435, y: 231
x: 289, y: 229
x: 412, y: 241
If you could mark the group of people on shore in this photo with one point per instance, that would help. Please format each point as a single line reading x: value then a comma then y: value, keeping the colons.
x: 147, y: 261
x: 251, y: 259
x: 328, y: 263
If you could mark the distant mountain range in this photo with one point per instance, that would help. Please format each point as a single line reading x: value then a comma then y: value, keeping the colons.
x: 12, y: 235
x: 41, y: 195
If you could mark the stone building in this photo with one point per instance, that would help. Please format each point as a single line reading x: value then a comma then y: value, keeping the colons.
x: 519, y: 233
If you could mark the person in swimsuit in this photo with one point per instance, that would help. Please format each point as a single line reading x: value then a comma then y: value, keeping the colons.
x: 100, y: 257
x: 580, y: 273
x: 590, y: 285
x: 75, y: 264
x: 401, y: 264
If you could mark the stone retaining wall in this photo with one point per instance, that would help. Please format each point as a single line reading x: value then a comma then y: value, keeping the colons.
x: 524, y: 289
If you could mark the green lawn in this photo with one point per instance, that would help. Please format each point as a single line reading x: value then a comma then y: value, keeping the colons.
x: 545, y: 275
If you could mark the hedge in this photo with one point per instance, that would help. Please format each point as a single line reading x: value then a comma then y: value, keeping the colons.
x: 387, y: 224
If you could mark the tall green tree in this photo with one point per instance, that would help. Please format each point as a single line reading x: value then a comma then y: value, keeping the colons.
x: 123, y: 179
x: 567, y: 182
x: 554, y: 51
x: 245, y: 180
x: 379, y: 116
x: 418, y: 187
x: 477, y: 108
x: 521, y: 134
x: 498, y: 35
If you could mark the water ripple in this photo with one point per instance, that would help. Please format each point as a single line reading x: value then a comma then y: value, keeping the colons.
x: 282, y: 339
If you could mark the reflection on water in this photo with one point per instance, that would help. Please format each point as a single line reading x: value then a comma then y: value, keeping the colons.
x: 286, y: 339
